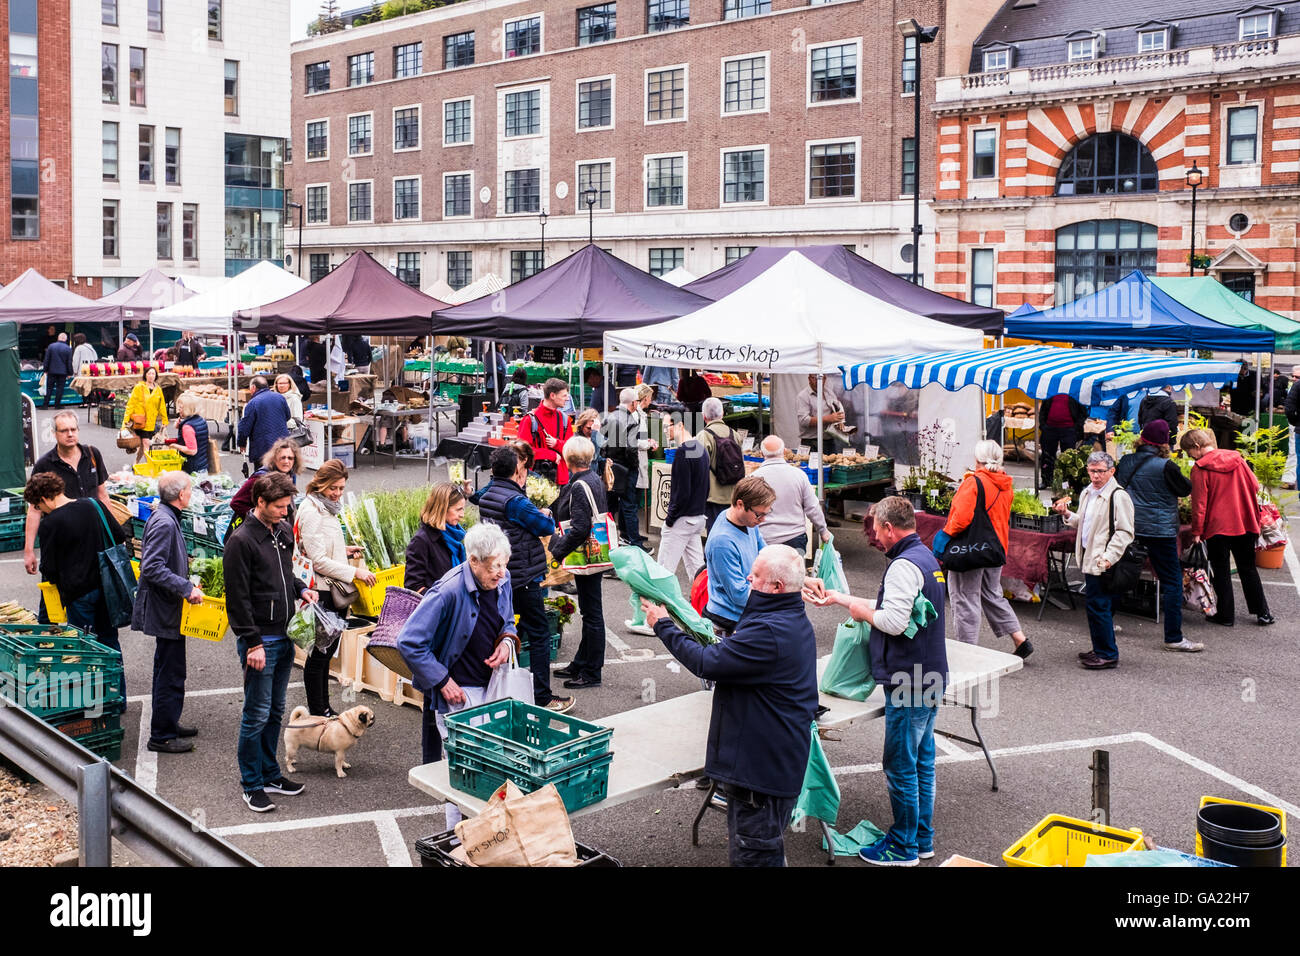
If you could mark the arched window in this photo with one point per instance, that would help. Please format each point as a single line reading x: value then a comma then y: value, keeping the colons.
x: 1105, y: 164
x: 1092, y: 255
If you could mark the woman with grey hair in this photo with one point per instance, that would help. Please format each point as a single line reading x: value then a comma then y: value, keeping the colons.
x: 581, y: 503
x: 984, y: 496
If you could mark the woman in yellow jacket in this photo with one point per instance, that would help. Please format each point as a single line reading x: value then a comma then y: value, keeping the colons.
x: 146, y: 410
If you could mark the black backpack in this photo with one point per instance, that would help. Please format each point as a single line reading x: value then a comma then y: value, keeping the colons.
x: 728, y: 462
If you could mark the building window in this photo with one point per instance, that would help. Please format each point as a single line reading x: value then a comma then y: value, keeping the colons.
x: 318, y: 77
x: 359, y: 206
x: 663, y: 261
x: 190, y: 231
x: 834, y: 73
x: 146, y: 154
x: 744, y: 176
x: 460, y: 269
x: 108, y: 12
x: 524, y: 37
x: 172, y: 156
x: 736, y: 253
x: 458, y: 125
x: 1092, y: 255
x: 155, y: 16
x: 318, y: 139
x: 1084, y: 49
x: 408, y: 268
x: 744, y: 85
x: 408, y: 59
x: 214, y: 19
x: 319, y: 266
x: 995, y: 61
x: 737, y: 9
x: 406, y: 198
x: 665, y: 95
x: 984, y: 159
x: 909, y: 64
x: 523, y: 190
x: 232, y: 87
x: 110, y: 228
x: 600, y: 178
x: 456, y: 195
x: 665, y: 183
x: 1256, y: 26
x: 524, y: 113
x: 458, y: 50
x: 1239, y: 283
x: 524, y: 263
x: 164, y: 230
x: 109, y: 139
x: 833, y: 171
x: 361, y: 69
x: 108, y: 72
x: 596, y: 104
x: 1243, y: 122
x: 359, y: 140
x: 667, y: 14
x: 909, y: 165
x: 1153, y: 41
x: 137, y: 76
x: 981, y: 277
x: 318, y: 205
x: 1107, y: 163
x: 406, y: 128
x: 596, y: 24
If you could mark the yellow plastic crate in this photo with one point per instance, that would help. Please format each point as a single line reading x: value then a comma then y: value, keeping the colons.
x: 156, y: 462
x: 1236, y: 803
x: 207, y: 621
x: 1064, y: 841
x: 54, y: 608
x: 135, y: 566
x: 370, y: 597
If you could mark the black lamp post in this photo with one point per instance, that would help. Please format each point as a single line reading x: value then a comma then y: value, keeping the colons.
x: 298, y: 206
x: 910, y: 28
x: 542, y: 219
x: 1195, y: 176
x: 589, y: 197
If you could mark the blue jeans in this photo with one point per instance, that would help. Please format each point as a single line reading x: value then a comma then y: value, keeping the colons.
x: 1163, y: 553
x: 90, y: 613
x: 259, y: 726
x: 1101, y: 622
x: 909, y: 771
x: 627, y: 513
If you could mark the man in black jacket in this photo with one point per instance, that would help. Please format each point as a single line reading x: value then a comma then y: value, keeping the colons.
x: 1292, y: 408
x: 58, y: 366
x: 684, y: 523
x: 260, y: 594
x: 625, y: 435
x: 1159, y: 404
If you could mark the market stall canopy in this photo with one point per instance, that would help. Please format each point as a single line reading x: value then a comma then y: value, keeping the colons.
x: 13, y: 472
x: 153, y: 290
x: 439, y: 289
x: 202, y: 284
x: 860, y: 273
x: 794, y: 317
x: 571, y: 303
x: 33, y: 299
x: 1090, y: 377
x: 359, y: 296
x: 483, y: 285
x: 1209, y: 297
x: 1025, y: 309
x: 211, y: 312
x: 679, y: 277
x: 1135, y: 313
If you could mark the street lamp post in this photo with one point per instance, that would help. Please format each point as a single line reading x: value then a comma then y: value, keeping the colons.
x: 298, y: 206
x: 590, y: 197
x: 910, y: 28
x: 542, y: 219
x: 1195, y: 176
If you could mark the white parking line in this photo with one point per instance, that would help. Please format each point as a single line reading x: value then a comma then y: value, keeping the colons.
x: 211, y: 692
x: 146, y: 761
x: 392, y: 841
x: 311, y: 823
x: 1293, y: 565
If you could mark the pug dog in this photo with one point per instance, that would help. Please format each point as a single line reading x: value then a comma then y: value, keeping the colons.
x: 325, y: 734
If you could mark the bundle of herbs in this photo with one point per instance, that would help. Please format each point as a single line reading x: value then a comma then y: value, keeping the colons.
x: 211, y: 576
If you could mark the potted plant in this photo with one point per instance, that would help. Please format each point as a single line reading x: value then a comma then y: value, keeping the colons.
x: 1070, y: 476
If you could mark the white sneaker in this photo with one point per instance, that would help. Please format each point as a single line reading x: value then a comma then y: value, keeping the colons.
x: 1190, y: 647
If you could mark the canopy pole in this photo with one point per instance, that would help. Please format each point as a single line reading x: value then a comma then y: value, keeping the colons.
x: 329, y: 398
x: 1258, y: 381
x: 1038, y: 444
x: 496, y: 382
x: 1272, y: 385
x: 428, y: 445
x: 758, y: 389
x: 1187, y: 400
x: 821, y: 428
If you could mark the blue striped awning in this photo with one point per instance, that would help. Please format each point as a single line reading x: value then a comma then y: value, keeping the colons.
x: 1088, y: 376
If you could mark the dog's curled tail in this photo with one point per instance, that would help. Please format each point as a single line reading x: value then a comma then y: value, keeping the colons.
x: 298, y: 713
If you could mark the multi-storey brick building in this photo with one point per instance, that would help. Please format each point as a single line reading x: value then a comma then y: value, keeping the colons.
x: 1066, y: 137
x: 698, y: 130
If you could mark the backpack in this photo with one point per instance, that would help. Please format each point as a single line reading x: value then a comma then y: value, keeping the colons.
x: 536, y: 431
x: 728, y: 461
x: 700, y: 590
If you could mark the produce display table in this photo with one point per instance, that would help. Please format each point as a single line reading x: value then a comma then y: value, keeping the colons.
x: 83, y: 384
x: 475, y: 454
x: 394, y: 417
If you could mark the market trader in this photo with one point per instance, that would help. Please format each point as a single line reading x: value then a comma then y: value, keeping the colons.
x: 763, y: 704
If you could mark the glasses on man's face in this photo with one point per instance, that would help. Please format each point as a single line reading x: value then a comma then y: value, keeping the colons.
x: 760, y: 515
x: 1099, y: 471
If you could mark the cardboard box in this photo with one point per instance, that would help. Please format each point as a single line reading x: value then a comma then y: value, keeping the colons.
x: 956, y: 860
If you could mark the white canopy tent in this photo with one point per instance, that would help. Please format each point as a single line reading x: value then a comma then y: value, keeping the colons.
x: 679, y: 276
x: 201, y: 284
x: 483, y: 285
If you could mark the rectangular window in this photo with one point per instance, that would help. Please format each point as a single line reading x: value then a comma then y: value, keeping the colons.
x: 457, y: 122
x: 667, y: 14
x: 834, y: 73
x: 172, y: 156
x: 736, y: 253
x: 146, y: 154
x: 596, y: 104
x: 190, y: 231
x: 318, y: 77
x: 524, y: 263
x: 663, y: 261
x: 232, y: 88
x: 737, y: 9
x: 458, y: 50
x: 985, y: 154
x: 110, y: 151
x: 359, y: 207
x: 1082, y: 49
x: 1153, y: 41
x: 1257, y: 26
x: 110, y: 228
x: 359, y: 141
x: 910, y: 63
x: 164, y: 230
x: 108, y: 12
x: 137, y: 76
x: 108, y: 71
x: 455, y: 195
x: 318, y: 205
x: 596, y: 24
x: 997, y: 60
x: 744, y: 176
x: 981, y: 277
x: 318, y: 139
x: 319, y: 265
x: 214, y: 19
x: 408, y: 268
x: 524, y: 37
x: 833, y: 171
x: 597, y: 178
x: 744, y: 85
x: 406, y: 128
x: 909, y: 165
x: 665, y: 181
x: 523, y: 190
x: 460, y: 269
x: 524, y: 113
x: 361, y: 69
x: 155, y: 16
x: 408, y: 59
x: 1242, y: 126
x: 665, y: 95
x: 406, y: 199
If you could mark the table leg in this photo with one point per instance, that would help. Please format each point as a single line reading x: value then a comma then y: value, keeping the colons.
x: 830, y: 844
x: 977, y: 742
x: 704, y: 808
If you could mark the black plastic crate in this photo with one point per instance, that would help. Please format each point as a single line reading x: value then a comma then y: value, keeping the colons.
x: 436, y: 851
x: 1044, y: 524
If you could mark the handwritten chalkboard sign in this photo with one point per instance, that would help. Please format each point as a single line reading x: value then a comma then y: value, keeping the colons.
x: 548, y: 354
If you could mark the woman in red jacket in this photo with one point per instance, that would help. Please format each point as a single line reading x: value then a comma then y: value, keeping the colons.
x: 1225, y: 513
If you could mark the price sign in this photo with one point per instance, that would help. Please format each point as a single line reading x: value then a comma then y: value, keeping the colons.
x: 200, y: 525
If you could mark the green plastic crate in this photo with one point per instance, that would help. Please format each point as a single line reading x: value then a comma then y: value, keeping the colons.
x: 531, y: 739
x: 44, y: 659
x: 107, y: 744
x: 75, y: 723
x: 12, y: 542
x: 579, y: 785
x: 525, y: 657
x: 13, y: 517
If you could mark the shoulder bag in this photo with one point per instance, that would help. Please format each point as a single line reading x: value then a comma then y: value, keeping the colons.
x: 116, y: 578
x: 977, y: 545
x: 1123, y: 575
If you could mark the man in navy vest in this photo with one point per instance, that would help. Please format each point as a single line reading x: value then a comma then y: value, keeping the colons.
x: 913, y: 670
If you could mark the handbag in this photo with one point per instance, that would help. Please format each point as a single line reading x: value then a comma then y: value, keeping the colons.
x: 509, y: 680
x: 343, y: 593
x: 977, y: 545
x: 592, y: 557
x: 116, y: 578
x: 137, y: 420
x: 299, y: 433
x: 1196, y: 557
x: 128, y: 440
x: 1122, y: 576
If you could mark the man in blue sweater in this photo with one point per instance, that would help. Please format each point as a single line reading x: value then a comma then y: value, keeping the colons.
x: 733, y: 545
x: 265, y: 421
x: 684, y: 523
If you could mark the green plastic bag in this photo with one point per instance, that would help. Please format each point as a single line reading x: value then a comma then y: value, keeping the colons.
x: 923, y: 613
x: 848, y: 672
x: 820, y: 797
x: 831, y: 569
x: 649, y: 579
x: 848, y: 844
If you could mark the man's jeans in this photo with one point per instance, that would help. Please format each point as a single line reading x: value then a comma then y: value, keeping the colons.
x: 627, y: 513
x: 1101, y: 619
x: 909, y: 772
x: 534, y: 633
x: 259, y: 726
x: 756, y: 825
x: 1163, y: 553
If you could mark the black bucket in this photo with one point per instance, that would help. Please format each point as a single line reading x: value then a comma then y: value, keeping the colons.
x: 1240, y: 836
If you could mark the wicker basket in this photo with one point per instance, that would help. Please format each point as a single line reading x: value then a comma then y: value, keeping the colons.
x: 399, y: 604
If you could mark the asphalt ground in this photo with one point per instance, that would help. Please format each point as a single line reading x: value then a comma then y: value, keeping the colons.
x: 1177, y: 726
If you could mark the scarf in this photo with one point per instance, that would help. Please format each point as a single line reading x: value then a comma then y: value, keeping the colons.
x: 454, y: 536
x: 332, y: 507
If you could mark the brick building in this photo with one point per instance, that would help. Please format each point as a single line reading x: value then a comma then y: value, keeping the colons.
x: 1066, y: 135
x: 700, y: 130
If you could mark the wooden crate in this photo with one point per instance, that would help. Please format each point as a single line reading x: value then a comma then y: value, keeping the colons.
x: 407, y: 694
x: 343, y: 665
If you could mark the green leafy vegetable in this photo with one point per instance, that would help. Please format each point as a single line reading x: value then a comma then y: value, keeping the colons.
x: 212, y: 576
x: 1025, y: 502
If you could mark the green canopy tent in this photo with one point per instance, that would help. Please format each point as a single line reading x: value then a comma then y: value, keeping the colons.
x: 1209, y: 297
x: 12, y: 472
